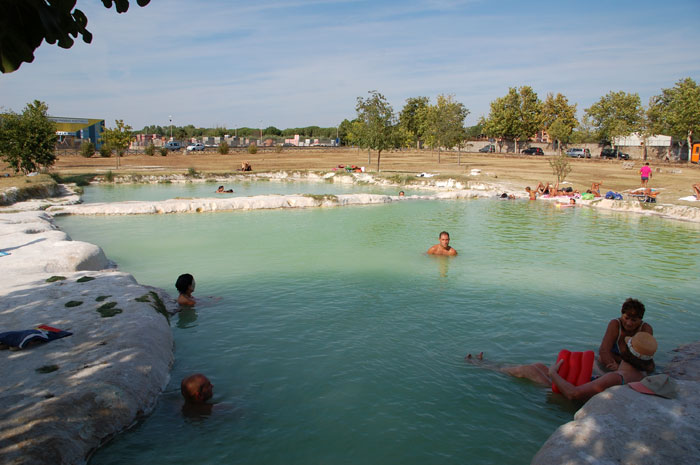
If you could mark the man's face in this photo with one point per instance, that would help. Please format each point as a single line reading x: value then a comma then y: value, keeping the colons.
x: 445, y: 241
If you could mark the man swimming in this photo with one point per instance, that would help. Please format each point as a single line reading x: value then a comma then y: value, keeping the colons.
x: 443, y: 248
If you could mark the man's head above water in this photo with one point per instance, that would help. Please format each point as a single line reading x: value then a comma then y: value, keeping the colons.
x: 196, y: 388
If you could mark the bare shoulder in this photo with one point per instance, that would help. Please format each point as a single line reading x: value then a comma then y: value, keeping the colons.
x: 433, y: 249
x: 452, y: 251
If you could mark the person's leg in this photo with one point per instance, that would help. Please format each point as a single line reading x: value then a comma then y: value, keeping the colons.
x: 536, y: 372
x: 696, y: 188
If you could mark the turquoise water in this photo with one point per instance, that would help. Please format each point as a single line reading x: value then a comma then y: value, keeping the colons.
x: 154, y: 192
x: 333, y: 338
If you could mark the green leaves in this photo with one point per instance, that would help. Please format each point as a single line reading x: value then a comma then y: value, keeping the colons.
x: 117, y: 138
x: 516, y: 116
x: 27, y: 141
x: 676, y: 112
x: 25, y: 24
x: 617, y: 114
x: 376, y: 123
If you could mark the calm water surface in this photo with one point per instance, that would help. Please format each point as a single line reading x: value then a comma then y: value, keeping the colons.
x: 334, y: 339
x: 154, y: 192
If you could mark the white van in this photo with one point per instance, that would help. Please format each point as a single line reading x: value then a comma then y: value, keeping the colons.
x: 173, y: 145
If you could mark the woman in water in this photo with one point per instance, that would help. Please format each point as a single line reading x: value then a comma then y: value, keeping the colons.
x: 613, y: 348
x: 185, y: 286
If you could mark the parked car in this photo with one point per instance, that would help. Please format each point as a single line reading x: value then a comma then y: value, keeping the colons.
x: 196, y: 147
x: 532, y: 151
x: 488, y: 149
x: 578, y: 153
x: 612, y: 153
x: 173, y: 145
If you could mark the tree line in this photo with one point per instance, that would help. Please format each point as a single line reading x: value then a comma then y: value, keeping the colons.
x: 519, y: 115
x: 27, y: 140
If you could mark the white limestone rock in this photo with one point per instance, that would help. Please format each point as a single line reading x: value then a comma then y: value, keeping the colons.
x: 622, y: 426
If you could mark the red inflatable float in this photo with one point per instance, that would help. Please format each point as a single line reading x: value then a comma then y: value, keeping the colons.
x: 577, y: 367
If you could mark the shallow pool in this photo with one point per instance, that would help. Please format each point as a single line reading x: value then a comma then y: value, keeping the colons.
x: 123, y: 192
x: 333, y: 338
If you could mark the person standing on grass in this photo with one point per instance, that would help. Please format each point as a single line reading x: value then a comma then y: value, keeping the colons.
x: 645, y: 172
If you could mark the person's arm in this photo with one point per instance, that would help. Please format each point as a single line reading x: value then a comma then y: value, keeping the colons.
x: 453, y: 251
x: 431, y: 250
x: 584, y: 391
x: 605, y: 349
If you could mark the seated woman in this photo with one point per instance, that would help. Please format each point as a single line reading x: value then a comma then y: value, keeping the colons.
x: 595, y: 189
x: 613, y: 348
x: 641, y: 349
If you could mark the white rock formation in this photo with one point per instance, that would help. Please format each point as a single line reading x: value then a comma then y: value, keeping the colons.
x: 60, y: 400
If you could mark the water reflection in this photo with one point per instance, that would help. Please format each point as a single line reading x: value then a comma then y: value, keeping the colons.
x: 186, y: 317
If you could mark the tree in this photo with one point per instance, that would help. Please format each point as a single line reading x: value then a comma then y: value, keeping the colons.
x: 411, y: 118
x: 117, y: 139
x: 516, y: 116
x: 559, y: 118
x: 28, y: 141
x: 24, y: 24
x: 560, y: 167
x: 676, y: 112
x: 376, y: 118
x: 616, y: 115
x: 443, y: 123
x: 344, y: 129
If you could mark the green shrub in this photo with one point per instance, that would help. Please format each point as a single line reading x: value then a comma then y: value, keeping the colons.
x: 278, y: 148
x: 252, y: 149
x: 163, y: 151
x: 109, y: 176
x: 105, y: 151
x: 223, y: 148
x: 150, y: 150
x: 191, y: 172
x: 87, y: 149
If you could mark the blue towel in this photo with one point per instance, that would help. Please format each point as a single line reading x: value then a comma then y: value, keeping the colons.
x: 41, y: 333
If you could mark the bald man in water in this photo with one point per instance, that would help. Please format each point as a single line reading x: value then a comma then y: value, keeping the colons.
x: 443, y: 248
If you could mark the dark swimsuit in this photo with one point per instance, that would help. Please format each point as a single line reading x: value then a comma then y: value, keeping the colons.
x: 615, y: 348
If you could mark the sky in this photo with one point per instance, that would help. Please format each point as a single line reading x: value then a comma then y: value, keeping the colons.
x: 296, y: 63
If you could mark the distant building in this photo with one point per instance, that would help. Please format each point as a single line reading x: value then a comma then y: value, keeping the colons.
x: 637, y: 140
x: 73, y: 131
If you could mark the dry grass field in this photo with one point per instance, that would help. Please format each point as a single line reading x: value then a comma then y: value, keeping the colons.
x: 514, y: 171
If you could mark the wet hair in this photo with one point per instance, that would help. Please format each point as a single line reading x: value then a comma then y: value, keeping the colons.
x: 527, y: 188
x: 633, y: 306
x: 504, y: 195
x: 191, y: 387
x: 184, y: 281
x: 443, y: 232
x: 220, y: 187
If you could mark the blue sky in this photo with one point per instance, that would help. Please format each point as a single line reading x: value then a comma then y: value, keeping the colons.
x: 294, y: 63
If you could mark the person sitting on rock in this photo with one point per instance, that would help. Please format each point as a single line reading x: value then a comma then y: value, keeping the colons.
x: 612, y: 347
x: 531, y: 193
x: 642, y: 347
x: 185, y: 286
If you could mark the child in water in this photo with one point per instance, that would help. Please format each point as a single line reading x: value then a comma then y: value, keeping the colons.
x: 185, y: 286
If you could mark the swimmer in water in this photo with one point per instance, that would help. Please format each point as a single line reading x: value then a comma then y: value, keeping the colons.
x: 443, y: 248
x: 185, y: 286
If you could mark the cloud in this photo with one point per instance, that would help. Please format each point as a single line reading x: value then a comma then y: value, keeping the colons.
x: 298, y: 63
